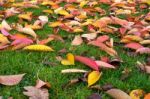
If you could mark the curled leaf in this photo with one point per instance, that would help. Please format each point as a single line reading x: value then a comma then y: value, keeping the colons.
x: 93, y: 77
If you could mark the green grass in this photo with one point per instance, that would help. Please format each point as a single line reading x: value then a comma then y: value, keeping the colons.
x: 31, y: 63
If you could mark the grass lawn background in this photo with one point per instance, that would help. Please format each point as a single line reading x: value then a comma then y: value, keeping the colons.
x: 31, y: 63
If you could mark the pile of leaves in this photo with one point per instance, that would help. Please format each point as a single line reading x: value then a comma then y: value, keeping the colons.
x: 91, y: 25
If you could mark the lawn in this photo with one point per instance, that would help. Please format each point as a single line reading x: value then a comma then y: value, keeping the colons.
x: 33, y: 64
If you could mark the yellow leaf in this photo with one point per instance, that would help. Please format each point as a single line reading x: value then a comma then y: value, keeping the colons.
x: 69, y: 60
x: 38, y: 48
x: 26, y: 16
x: 83, y: 3
x: 55, y: 24
x: 61, y: 11
x: 136, y: 94
x: 93, y: 77
x: 133, y: 38
x: 3, y: 40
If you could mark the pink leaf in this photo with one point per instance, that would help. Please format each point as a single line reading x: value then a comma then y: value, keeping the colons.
x: 87, y: 61
x: 23, y: 40
x: 4, y: 32
x: 3, y: 47
x: 134, y: 46
x: 39, y: 83
x: 11, y: 80
x: 103, y: 38
x: 77, y: 40
x: 104, y: 64
x: 144, y: 50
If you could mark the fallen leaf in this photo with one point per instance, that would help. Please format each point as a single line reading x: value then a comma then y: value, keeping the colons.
x: 94, y: 96
x: 147, y: 96
x: 43, y: 48
x: 87, y: 61
x: 143, y: 50
x: 77, y: 40
x: 134, y: 46
x: 118, y: 94
x: 104, y: 64
x: 144, y: 67
x: 69, y: 60
x: 10, y: 80
x: 74, y: 71
x: 36, y: 93
x: 93, y: 77
x: 40, y: 84
x: 136, y: 94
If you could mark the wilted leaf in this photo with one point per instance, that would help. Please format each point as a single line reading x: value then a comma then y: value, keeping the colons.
x: 118, y: 94
x: 93, y: 77
x: 10, y: 80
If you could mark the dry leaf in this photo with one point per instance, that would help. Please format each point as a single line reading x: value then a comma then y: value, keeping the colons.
x: 94, y: 96
x: 118, y: 94
x: 35, y: 93
x: 74, y: 71
x: 104, y: 64
x: 10, y: 80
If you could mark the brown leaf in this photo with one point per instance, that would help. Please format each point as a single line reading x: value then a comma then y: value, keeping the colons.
x: 35, y: 93
x: 94, y: 96
x: 144, y: 67
x: 11, y: 80
x: 40, y: 84
x: 118, y: 94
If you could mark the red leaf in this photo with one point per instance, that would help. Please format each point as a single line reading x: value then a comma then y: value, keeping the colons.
x: 134, y: 46
x: 87, y: 61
